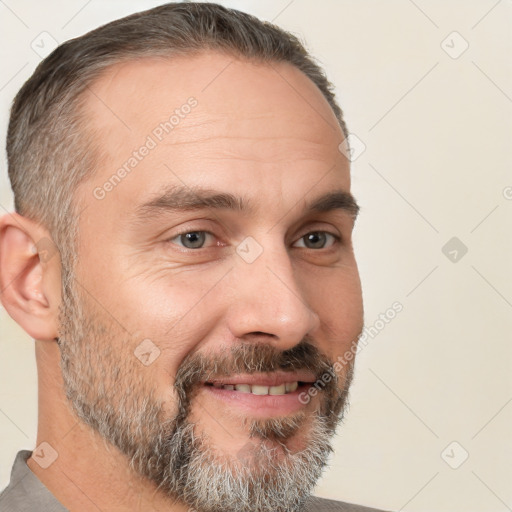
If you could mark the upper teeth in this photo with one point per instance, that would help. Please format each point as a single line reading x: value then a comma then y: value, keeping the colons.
x: 255, y: 389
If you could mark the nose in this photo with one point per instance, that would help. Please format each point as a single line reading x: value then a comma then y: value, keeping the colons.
x: 268, y: 304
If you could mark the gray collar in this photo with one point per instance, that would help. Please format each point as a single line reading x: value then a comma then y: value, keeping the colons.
x: 25, y: 492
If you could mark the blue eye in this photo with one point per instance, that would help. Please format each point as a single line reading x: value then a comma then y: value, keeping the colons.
x: 191, y: 239
x: 318, y: 239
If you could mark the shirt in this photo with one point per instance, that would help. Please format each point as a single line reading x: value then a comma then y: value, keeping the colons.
x: 26, y: 493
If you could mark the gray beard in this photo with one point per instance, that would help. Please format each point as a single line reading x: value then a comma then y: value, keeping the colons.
x: 263, y: 477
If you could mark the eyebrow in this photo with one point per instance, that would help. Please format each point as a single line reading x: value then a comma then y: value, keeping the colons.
x: 182, y: 198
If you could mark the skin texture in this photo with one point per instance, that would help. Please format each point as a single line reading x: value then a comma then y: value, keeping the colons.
x: 263, y: 132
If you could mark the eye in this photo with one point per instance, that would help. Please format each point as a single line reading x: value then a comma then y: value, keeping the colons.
x: 317, y: 240
x: 191, y: 239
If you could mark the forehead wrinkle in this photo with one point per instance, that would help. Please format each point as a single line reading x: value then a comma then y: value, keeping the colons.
x: 250, y: 150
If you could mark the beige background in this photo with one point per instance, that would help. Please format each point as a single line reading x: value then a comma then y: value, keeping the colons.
x: 437, y: 165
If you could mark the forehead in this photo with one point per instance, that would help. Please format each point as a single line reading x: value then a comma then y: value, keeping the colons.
x: 209, y: 118
x: 131, y: 96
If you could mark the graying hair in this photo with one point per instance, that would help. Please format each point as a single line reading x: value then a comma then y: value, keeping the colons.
x: 49, y: 149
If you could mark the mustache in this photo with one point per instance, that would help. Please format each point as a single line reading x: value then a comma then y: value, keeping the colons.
x: 247, y: 357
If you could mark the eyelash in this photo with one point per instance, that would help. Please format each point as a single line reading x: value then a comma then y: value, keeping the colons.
x: 337, y: 239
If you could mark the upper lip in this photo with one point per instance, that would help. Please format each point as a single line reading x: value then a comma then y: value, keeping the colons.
x: 265, y: 379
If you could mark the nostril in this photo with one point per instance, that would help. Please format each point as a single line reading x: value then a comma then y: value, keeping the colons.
x: 260, y: 334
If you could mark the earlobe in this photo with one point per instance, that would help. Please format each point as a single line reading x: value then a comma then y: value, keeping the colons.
x: 29, y: 276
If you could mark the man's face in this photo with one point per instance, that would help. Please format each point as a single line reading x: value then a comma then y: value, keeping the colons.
x: 179, y: 308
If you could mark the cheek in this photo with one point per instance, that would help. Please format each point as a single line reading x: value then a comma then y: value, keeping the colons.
x: 337, y: 299
x: 176, y: 314
x: 163, y: 304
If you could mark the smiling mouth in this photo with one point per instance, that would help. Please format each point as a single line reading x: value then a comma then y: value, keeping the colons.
x: 258, y: 389
x: 262, y: 395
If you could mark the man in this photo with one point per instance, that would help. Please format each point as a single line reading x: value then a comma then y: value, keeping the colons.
x: 181, y: 254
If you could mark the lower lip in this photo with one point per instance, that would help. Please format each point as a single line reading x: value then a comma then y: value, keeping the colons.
x: 263, y: 405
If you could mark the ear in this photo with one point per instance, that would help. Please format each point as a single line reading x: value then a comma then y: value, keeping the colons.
x: 30, y: 276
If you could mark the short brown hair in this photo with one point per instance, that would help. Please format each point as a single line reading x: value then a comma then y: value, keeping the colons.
x: 48, y: 150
